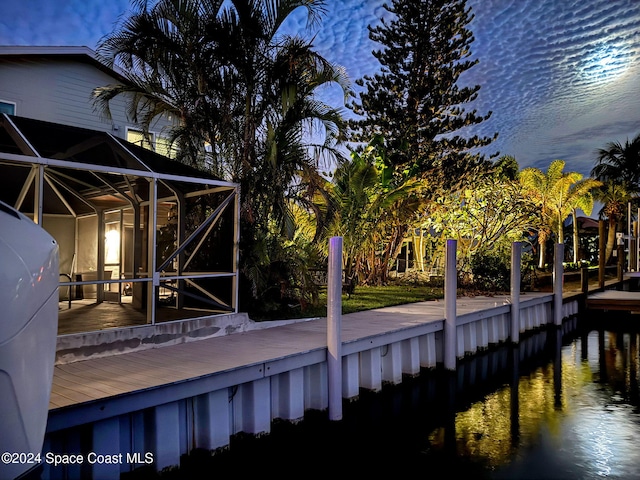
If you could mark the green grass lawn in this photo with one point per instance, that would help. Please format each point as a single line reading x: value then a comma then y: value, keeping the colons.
x: 367, y: 298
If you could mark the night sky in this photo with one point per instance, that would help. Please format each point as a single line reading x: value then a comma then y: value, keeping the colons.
x: 561, y: 77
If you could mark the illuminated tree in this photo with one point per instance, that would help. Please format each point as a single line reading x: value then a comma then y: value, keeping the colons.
x: 557, y: 194
x: 614, y: 197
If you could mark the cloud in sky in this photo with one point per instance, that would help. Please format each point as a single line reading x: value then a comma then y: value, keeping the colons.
x: 57, y: 22
x: 561, y: 77
x: 551, y: 69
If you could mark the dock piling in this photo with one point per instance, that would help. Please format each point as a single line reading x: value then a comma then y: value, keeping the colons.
x: 558, y: 271
x: 602, y: 259
x: 450, y: 294
x: 334, y: 324
x: 516, y: 254
x: 584, y: 280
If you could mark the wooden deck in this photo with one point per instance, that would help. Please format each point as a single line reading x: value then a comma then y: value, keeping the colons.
x: 614, y: 300
x: 101, y: 378
x: 89, y: 316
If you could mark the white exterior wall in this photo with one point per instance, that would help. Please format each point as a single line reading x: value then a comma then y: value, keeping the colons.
x: 59, y: 89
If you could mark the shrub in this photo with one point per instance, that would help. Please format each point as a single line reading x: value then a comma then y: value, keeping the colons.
x: 490, y: 272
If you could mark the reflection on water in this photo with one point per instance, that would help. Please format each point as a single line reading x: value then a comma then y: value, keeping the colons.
x: 550, y: 408
x: 574, y: 417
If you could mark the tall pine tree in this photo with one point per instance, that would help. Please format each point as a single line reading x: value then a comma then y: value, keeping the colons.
x: 415, y: 101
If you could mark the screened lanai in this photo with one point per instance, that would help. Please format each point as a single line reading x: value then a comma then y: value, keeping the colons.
x: 143, y: 239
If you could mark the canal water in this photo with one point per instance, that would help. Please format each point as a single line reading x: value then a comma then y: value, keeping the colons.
x: 551, y: 408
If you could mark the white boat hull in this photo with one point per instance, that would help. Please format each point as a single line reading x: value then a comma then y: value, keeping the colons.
x: 29, y: 323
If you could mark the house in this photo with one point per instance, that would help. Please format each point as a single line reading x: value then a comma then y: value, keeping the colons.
x: 56, y: 84
x: 136, y: 230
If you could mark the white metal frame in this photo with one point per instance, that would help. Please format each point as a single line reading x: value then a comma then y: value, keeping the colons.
x: 40, y: 165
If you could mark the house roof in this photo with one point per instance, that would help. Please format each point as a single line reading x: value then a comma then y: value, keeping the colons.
x: 586, y: 222
x: 87, y: 169
x: 78, y: 53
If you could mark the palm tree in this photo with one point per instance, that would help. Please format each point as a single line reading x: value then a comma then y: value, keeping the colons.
x: 363, y: 205
x: 558, y: 195
x: 619, y: 163
x: 540, y: 186
x: 618, y: 166
x: 614, y: 197
x: 580, y: 197
x: 169, y: 71
x: 284, y: 150
x: 238, y: 85
x: 221, y: 68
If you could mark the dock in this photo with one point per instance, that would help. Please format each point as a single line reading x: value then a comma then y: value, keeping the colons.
x: 614, y: 300
x: 101, y: 378
x: 168, y: 401
x: 617, y: 296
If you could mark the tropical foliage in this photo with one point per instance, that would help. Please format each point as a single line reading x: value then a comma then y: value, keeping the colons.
x: 365, y: 206
x: 614, y: 198
x: 416, y: 104
x: 484, y: 218
x: 618, y: 167
x: 557, y: 194
x: 243, y: 93
x: 619, y: 163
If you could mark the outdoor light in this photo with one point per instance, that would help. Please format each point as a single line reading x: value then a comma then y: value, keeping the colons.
x: 112, y: 246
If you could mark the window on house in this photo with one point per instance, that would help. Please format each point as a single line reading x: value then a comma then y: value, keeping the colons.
x: 137, y: 137
x: 164, y: 148
x: 156, y: 143
x: 7, y: 107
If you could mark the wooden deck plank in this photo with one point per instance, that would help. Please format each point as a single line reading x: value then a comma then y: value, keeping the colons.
x: 614, y: 300
x: 90, y: 387
x: 67, y: 396
x: 112, y: 382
